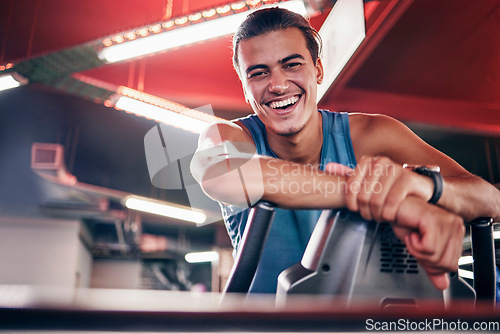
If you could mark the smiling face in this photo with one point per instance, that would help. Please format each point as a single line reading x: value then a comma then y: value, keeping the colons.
x: 280, y: 79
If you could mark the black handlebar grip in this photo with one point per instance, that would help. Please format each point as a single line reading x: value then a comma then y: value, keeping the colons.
x: 251, y: 247
x: 483, y: 253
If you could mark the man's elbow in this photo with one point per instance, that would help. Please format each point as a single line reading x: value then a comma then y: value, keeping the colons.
x: 225, y: 188
x: 241, y: 184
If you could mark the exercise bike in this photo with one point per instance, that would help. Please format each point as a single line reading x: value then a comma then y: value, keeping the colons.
x: 350, y: 260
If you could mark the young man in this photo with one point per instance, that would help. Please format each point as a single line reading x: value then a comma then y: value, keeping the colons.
x: 301, y: 158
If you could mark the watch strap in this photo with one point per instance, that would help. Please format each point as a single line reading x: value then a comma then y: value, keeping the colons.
x: 437, y: 178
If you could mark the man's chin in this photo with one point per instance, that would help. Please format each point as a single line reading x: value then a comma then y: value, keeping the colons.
x: 290, y: 132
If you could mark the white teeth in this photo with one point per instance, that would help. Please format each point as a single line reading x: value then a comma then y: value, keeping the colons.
x: 281, y: 104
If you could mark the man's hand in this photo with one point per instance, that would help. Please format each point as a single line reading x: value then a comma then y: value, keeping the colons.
x: 377, y: 187
x: 433, y: 236
x: 381, y: 190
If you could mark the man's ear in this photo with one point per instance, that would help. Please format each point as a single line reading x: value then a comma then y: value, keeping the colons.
x: 319, y: 70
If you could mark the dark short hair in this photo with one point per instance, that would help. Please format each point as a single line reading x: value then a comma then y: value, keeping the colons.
x: 274, y: 19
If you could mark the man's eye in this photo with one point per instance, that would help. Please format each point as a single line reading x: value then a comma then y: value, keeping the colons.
x: 256, y: 74
x: 292, y: 65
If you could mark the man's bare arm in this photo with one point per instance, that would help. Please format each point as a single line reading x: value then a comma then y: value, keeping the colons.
x: 376, y: 138
x: 229, y: 170
x: 226, y: 160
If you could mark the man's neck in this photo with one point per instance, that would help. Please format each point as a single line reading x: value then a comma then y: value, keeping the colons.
x: 303, y: 147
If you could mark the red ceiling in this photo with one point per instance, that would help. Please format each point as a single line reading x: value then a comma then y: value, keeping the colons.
x: 434, y: 62
x: 439, y: 63
x: 50, y: 25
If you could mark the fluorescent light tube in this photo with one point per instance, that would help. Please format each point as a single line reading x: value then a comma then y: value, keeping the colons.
x: 201, y: 257
x: 160, y: 114
x: 465, y: 274
x: 183, y: 36
x: 171, y: 39
x: 158, y: 208
x: 12, y: 80
x: 465, y: 260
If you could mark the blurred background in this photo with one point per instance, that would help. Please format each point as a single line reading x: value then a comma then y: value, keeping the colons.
x: 71, y: 155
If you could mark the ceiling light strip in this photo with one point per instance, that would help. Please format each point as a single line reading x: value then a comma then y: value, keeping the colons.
x: 155, y: 207
x: 197, y: 17
x: 185, y: 30
x: 11, y: 80
x: 160, y: 114
x: 168, y: 105
x: 152, y: 107
x: 201, y: 257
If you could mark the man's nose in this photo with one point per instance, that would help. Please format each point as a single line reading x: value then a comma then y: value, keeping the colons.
x: 278, y: 82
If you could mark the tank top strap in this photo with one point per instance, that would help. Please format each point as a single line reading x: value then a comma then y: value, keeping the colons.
x: 259, y: 135
x: 337, y: 143
x: 291, y: 229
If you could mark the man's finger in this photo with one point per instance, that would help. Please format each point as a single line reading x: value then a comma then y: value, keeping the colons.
x: 337, y: 169
x: 440, y: 281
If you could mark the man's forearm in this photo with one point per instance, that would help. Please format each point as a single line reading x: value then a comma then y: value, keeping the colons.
x: 285, y: 183
x: 293, y: 185
x: 470, y: 197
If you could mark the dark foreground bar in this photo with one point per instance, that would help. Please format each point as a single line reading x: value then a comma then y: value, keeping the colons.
x: 159, y: 312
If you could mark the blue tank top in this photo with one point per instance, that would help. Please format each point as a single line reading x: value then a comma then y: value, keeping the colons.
x: 291, y: 229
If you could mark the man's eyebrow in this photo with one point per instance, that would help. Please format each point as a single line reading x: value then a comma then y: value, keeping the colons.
x: 296, y: 55
x: 282, y: 61
x: 253, y: 67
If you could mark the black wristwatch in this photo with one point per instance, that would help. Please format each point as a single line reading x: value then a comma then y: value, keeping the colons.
x: 434, y: 174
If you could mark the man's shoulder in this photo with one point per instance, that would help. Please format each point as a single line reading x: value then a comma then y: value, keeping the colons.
x: 252, y: 118
x: 371, y: 134
x: 367, y: 117
x: 230, y: 130
x: 362, y: 124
